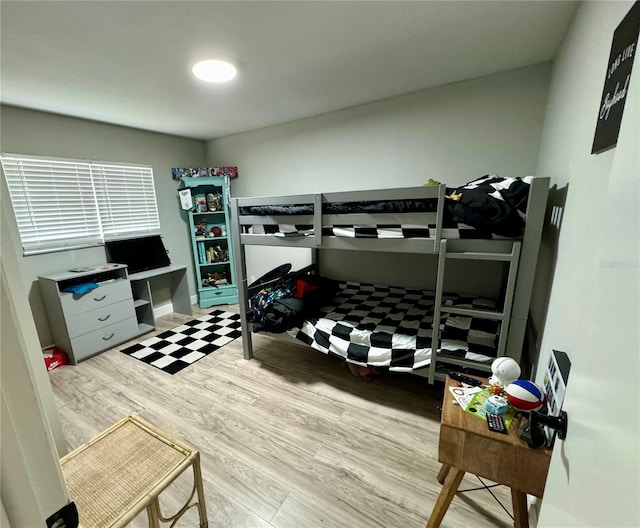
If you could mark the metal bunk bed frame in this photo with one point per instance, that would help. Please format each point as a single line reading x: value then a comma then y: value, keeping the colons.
x: 521, y: 255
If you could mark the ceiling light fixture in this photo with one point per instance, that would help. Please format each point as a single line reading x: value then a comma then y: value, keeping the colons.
x: 214, y: 71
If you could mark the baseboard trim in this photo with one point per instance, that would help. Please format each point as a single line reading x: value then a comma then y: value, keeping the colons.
x: 165, y: 309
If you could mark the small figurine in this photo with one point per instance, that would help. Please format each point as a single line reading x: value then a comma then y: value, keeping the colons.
x: 212, y: 203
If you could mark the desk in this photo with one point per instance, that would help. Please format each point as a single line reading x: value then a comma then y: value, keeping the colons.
x: 124, y: 470
x: 142, y: 295
x: 467, y: 446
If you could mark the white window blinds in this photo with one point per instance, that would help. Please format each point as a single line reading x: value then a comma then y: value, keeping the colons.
x: 68, y: 204
x: 126, y: 200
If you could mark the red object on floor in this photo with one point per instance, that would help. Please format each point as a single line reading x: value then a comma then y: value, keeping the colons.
x: 54, y: 358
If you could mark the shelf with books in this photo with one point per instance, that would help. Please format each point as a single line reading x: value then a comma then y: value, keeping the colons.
x: 213, y: 253
x: 210, y: 240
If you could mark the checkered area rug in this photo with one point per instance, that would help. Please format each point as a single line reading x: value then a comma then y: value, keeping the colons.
x: 176, y: 349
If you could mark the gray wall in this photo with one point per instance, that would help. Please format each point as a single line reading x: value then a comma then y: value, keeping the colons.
x: 453, y: 134
x: 593, y: 308
x: 29, y: 132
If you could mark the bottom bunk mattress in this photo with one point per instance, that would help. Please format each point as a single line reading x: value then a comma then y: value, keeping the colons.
x: 386, y: 326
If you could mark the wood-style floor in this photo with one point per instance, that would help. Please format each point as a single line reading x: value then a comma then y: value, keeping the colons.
x: 290, y: 439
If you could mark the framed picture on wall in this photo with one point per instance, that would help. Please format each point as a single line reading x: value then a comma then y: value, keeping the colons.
x: 617, y: 79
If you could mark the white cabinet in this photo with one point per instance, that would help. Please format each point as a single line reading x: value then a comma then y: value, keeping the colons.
x: 84, y: 324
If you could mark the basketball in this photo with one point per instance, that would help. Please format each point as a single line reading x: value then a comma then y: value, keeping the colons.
x: 525, y: 395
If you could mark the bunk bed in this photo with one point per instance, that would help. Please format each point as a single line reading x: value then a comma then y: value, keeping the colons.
x: 425, y: 332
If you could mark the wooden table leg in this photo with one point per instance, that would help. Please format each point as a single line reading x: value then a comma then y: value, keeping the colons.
x: 520, y: 511
x: 449, y: 489
x: 153, y: 513
x: 442, y: 474
x: 202, y: 508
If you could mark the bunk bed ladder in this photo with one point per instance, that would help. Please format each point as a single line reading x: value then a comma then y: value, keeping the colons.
x: 437, y: 305
x: 512, y: 258
x: 508, y: 298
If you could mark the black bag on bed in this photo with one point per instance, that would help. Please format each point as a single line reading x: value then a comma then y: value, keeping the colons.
x: 284, y: 314
x: 477, y: 205
x: 287, y: 302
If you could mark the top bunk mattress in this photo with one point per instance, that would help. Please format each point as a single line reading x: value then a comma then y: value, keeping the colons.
x: 486, y: 208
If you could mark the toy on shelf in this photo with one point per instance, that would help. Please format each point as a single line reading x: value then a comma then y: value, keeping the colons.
x: 215, y: 279
x: 212, y: 202
x: 200, y: 203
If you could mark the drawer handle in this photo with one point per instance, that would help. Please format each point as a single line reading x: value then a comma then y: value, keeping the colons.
x: 107, y: 338
x: 218, y: 293
x: 104, y: 318
x: 100, y: 299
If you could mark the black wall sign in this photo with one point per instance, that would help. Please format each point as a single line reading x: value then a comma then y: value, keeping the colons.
x: 617, y: 79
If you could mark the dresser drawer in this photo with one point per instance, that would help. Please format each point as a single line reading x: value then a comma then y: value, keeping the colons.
x: 88, y: 344
x: 97, y: 319
x: 106, y: 293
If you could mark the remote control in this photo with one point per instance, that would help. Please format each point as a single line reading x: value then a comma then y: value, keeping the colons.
x: 465, y: 379
x: 495, y: 423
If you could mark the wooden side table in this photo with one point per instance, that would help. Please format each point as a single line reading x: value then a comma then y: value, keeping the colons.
x: 123, y: 470
x: 467, y: 446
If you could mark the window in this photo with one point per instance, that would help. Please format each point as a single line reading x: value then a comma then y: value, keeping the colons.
x: 64, y: 204
x: 126, y: 200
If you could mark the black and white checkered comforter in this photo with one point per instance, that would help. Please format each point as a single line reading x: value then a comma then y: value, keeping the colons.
x: 449, y: 230
x: 386, y: 326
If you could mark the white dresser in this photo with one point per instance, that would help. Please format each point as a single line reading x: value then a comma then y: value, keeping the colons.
x: 85, y: 324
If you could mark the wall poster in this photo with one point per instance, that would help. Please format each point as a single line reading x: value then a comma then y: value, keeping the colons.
x: 617, y: 79
x: 195, y: 172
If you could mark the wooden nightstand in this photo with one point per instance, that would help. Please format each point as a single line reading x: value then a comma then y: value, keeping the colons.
x: 467, y: 446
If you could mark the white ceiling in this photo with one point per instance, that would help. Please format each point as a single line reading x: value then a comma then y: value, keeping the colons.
x: 129, y: 63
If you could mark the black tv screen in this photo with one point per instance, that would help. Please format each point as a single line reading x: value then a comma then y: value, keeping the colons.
x: 139, y: 254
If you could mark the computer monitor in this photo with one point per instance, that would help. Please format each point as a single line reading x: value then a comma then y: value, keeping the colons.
x: 139, y: 254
